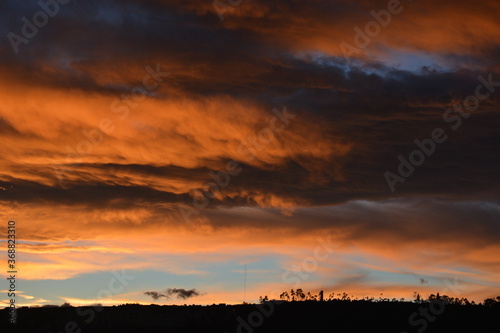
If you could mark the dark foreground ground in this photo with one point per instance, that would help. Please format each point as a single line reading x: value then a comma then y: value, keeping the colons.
x: 334, y: 316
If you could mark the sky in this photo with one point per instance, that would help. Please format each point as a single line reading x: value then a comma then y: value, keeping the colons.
x: 245, y: 148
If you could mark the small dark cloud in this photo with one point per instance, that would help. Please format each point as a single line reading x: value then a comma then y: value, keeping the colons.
x: 179, y: 293
x: 154, y: 294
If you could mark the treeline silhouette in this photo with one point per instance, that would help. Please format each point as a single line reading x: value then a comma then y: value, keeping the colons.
x: 294, y: 311
x: 299, y: 295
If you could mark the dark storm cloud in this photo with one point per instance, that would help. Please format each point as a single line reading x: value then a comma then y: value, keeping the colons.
x: 378, y: 110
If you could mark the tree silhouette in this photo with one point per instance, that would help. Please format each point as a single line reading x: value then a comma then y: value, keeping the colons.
x: 300, y: 295
x: 285, y: 296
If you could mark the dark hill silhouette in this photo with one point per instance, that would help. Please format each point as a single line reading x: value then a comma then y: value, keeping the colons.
x: 432, y: 315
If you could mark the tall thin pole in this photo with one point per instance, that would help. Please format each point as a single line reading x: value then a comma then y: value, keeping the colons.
x: 245, y: 285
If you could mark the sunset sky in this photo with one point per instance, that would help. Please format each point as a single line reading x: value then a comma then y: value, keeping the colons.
x: 179, y: 143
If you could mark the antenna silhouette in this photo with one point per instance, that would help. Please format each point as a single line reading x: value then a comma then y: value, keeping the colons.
x: 245, y: 285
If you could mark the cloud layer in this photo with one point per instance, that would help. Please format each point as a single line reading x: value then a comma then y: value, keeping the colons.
x: 117, y: 113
